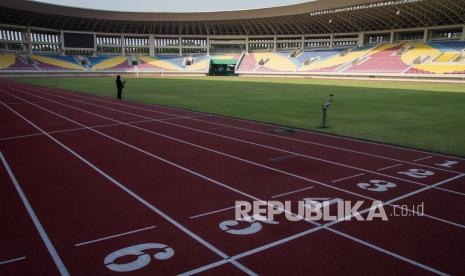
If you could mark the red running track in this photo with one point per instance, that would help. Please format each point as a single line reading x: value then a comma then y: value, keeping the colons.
x: 95, y: 186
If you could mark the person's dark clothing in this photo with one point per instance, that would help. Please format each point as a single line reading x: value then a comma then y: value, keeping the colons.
x: 119, y: 86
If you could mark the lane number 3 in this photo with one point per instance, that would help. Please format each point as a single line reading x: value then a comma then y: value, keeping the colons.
x: 377, y: 185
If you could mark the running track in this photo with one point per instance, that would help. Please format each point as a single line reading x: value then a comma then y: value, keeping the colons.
x: 84, y: 177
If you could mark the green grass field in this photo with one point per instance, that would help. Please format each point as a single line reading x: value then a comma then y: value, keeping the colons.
x: 427, y: 116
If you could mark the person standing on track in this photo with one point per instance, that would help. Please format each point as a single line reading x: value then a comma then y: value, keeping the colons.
x: 119, y: 86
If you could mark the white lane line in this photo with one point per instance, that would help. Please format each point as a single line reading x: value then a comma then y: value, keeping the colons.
x: 348, y: 177
x: 292, y: 192
x: 12, y: 260
x: 219, y: 128
x: 215, y: 151
x: 71, y: 130
x: 232, y: 207
x: 413, y: 261
x: 40, y: 229
x: 282, y: 157
x: 126, y: 189
x: 253, y: 251
x: 327, y: 226
x: 204, y: 268
x: 450, y: 191
x: 172, y: 163
x: 182, y: 117
x: 424, y: 158
x: 223, y: 136
x: 20, y: 136
x: 245, y: 129
x: 152, y: 106
x: 387, y: 252
x: 220, y: 253
x: 216, y: 211
x: 389, y: 167
x: 186, y: 169
x: 218, y: 135
x: 115, y: 236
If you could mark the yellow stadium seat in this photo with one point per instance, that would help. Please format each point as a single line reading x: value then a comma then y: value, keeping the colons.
x: 57, y: 63
x: 6, y: 60
x: 276, y: 62
x: 161, y: 63
x: 419, y: 50
x: 446, y: 57
x: 345, y: 58
x: 109, y: 63
x: 199, y: 66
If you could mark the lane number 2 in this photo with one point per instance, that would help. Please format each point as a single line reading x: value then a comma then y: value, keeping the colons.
x: 138, y: 251
x: 417, y: 173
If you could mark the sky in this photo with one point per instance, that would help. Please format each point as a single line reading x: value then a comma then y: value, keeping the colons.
x: 173, y: 5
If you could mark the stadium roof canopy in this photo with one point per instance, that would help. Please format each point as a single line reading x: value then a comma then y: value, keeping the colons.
x: 316, y: 17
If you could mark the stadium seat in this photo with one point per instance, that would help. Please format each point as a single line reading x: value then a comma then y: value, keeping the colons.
x: 166, y: 63
x: 383, y: 59
x: 112, y: 63
x: 6, y: 60
x: 60, y: 63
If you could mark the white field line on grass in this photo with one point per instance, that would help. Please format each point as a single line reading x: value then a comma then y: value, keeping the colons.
x: 243, y: 141
x: 107, y: 100
x: 38, y: 225
x: 197, y: 174
x: 123, y: 187
x: 228, y: 155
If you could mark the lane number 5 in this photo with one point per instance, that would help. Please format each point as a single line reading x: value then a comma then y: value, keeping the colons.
x: 142, y: 260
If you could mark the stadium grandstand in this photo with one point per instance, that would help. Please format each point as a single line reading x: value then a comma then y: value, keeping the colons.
x: 238, y: 137
x: 351, y: 38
